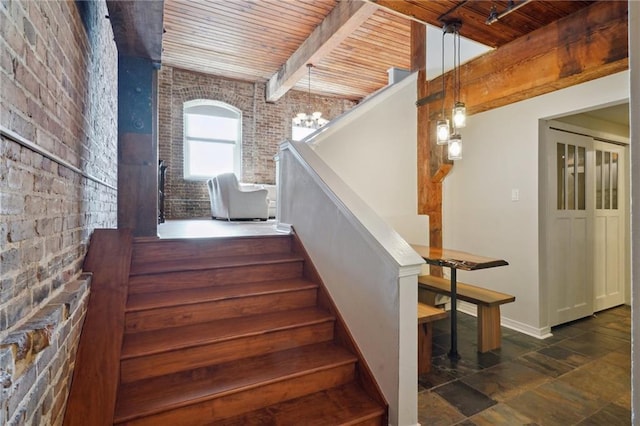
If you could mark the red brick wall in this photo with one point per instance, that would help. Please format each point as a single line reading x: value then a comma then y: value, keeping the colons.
x: 264, y: 127
x: 58, y: 67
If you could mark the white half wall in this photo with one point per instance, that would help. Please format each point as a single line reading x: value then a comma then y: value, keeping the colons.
x: 500, y: 154
x: 375, y: 153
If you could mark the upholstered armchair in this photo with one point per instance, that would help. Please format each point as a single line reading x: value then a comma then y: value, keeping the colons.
x: 230, y: 201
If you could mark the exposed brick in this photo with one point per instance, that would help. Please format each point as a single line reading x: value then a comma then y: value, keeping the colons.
x: 11, y: 204
x: 58, y: 77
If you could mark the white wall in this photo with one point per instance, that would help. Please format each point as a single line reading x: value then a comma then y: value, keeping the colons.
x: 501, y: 154
x: 634, y: 112
x: 375, y: 153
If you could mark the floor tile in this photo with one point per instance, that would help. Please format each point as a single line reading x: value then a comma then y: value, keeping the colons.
x: 567, y: 356
x: 593, y: 345
x: 621, y: 359
x: 464, y: 398
x: 506, y: 380
x: 601, y: 378
x: 435, y: 377
x: 501, y: 414
x: 610, y: 415
x: 580, y: 374
x: 556, y: 404
x: 544, y: 364
x: 434, y: 411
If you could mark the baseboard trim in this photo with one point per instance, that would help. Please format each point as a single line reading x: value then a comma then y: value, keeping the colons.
x: 538, y: 333
x: 284, y: 227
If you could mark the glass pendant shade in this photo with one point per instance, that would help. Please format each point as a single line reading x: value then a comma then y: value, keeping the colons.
x: 459, y: 115
x: 454, y: 151
x: 442, y: 131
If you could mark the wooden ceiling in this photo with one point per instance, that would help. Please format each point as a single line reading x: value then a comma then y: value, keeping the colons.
x: 272, y: 40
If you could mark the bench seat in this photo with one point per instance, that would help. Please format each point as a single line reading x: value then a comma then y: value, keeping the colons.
x: 488, y: 302
x: 426, y: 315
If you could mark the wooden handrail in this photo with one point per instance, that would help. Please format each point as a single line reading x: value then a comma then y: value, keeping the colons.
x: 92, y: 398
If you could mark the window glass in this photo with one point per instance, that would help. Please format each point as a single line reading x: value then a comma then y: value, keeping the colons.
x: 614, y: 181
x: 212, y: 139
x: 560, y: 172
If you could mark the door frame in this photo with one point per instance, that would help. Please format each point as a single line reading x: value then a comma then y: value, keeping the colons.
x: 544, y: 198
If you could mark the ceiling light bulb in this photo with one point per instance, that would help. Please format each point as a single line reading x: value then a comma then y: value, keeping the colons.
x: 459, y: 115
x: 454, y: 151
x: 442, y: 131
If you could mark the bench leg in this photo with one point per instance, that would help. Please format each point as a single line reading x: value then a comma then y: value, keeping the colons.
x: 425, y: 341
x: 489, y: 334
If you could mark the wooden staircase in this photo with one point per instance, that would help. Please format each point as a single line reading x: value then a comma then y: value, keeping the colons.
x: 237, y: 331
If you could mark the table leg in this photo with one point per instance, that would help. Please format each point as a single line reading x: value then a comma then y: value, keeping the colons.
x: 453, y: 353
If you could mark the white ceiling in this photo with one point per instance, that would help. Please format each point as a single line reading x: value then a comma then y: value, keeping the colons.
x: 618, y: 114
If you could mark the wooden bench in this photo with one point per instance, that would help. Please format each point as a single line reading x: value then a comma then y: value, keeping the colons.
x: 426, y: 315
x: 488, y: 302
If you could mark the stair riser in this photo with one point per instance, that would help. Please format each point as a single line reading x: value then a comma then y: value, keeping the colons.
x: 206, y: 412
x: 174, y: 316
x: 163, y: 250
x: 171, y: 281
x: 184, y: 359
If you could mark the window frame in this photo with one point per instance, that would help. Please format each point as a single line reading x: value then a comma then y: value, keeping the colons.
x: 224, y: 110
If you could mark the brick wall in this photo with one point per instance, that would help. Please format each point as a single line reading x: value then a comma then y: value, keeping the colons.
x: 264, y: 127
x: 58, y: 171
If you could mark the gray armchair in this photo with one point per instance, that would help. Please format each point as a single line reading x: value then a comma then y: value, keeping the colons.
x: 230, y: 201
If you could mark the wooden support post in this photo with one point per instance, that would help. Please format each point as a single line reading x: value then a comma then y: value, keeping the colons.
x: 137, y: 146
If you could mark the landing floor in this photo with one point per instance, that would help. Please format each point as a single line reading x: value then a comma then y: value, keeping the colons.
x: 208, y: 228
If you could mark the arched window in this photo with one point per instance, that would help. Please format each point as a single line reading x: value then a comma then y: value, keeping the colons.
x: 212, y: 139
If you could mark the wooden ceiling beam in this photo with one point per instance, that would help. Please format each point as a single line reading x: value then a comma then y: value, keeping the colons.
x: 346, y: 17
x: 584, y: 46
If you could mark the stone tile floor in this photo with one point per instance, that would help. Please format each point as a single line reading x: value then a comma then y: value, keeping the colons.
x: 580, y: 376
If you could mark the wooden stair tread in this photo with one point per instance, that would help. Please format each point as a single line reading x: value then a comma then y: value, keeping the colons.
x: 188, y: 296
x: 467, y: 292
x: 201, y: 263
x: 156, y: 341
x: 158, y: 394
x: 342, y: 405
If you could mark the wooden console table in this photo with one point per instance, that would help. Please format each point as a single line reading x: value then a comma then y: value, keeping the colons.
x: 455, y: 260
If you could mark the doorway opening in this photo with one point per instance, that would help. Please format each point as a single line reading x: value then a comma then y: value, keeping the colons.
x: 585, y: 213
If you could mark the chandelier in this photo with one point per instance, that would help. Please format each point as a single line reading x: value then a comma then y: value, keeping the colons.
x: 311, y: 120
x: 446, y: 131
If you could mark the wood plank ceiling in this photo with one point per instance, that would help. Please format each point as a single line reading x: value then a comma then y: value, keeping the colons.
x: 253, y: 39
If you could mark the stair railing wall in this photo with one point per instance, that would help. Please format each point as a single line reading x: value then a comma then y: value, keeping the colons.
x: 369, y: 270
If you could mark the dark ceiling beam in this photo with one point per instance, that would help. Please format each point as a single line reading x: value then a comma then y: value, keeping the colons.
x: 589, y: 44
x: 346, y: 17
x: 137, y: 27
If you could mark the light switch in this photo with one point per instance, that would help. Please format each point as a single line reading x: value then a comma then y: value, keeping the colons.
x: 515, y: 194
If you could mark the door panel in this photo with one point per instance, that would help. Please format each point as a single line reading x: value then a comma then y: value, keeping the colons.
x: 609, y: 238
x: 569, y: 232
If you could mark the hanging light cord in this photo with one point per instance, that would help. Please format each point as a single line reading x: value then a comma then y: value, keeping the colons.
x: 309, y: 89
x: 443, y: 82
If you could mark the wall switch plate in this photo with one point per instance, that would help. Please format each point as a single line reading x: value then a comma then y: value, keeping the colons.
x: 515, y: 195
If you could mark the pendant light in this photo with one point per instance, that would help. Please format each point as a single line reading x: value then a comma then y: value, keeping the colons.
x: 309, y: 120
x: 447, y: 131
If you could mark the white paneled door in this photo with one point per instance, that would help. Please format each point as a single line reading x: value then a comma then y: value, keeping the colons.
x: 569, y: 254
x: 584, y: 238
x: 609, y: 226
